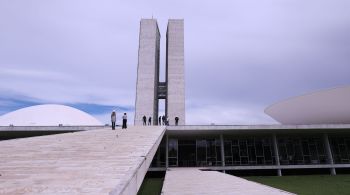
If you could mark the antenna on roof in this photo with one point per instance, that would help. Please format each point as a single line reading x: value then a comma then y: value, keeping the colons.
x: 152, y: 16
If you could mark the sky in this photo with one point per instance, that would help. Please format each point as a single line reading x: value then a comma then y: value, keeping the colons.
x: 240, y: 55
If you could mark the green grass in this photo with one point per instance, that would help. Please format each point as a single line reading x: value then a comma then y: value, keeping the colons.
x: 151, y: 186
x: 307, y: 184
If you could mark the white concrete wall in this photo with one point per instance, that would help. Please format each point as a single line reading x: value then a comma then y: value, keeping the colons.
x: 147, y: 71
x: 175, y: 103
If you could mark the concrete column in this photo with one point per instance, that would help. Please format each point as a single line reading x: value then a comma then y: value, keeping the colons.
x: 167, y: 152
x: 222, y: 150
x: 146, y: 103
x: 277, y: 156
x: 329, y: 153
x: 175, y: 72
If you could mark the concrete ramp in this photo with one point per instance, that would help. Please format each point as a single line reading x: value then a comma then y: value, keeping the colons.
x: 194, y: 181
x: 90, y: 162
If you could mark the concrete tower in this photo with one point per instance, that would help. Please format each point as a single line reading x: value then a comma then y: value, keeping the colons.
x: 147, y: 72
x: 148, y: 88
x: 175, y: 72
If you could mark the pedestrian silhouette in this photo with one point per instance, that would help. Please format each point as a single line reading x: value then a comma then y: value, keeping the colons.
x: 150, y: 121
x: 163, y: 119
x: 167, y: 121
x: 113, y: 119
x: 125, y: 119
x: 144, y: 118
x: 176, y: 121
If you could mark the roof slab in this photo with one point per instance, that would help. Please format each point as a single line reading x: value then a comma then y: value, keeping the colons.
x: 215, y: 129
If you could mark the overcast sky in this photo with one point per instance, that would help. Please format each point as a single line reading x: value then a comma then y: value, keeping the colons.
x: 240, y: 55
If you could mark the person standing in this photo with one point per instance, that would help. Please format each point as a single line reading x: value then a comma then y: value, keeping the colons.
x: 113, y: 119
x: 160, y: 121
x: 144, y: 118
x: 176, y: 121
x: 125, y: 119
x: 163, y: 119
x: 167, y: 121
x: 150, y: 121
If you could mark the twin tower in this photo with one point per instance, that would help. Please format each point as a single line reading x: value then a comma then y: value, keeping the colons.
x: 148, y: 87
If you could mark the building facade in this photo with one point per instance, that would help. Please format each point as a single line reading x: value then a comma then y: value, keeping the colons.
x: 148, y: 88
x: 175, y: 72
x: 277, y: 149
x: 146, y: 103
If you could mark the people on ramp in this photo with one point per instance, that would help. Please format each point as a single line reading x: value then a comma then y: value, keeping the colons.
x: 113, y: 119
x: 125, y: 119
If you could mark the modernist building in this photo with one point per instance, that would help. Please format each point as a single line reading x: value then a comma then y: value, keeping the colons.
x: 302, y: 143
x: 314, y: 133
x: 148, y: 87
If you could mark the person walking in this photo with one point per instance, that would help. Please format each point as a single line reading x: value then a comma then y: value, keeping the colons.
x: 113, y: 119
x: 144, y: 118
x: 125, y: 119
x: 159, y: 120
x: 176, y: 121
x: 150, y: 121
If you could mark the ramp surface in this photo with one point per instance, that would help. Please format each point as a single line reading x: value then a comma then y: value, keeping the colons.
x: 193, y: 181
x: 89, y: 162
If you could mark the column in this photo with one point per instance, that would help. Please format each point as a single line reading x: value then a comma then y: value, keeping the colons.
x: 329, y: 153
x: 175, y: 72
x: 222, y: 150
x: 146, y: 103
x: 277, y: 156
x: 167, y: 152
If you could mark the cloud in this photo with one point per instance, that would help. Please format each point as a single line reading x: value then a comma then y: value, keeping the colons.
x: 13, y: 102
x: 60, y: 87
x: 226, y: 113
x: 33, y: 74
x: 240, y: 56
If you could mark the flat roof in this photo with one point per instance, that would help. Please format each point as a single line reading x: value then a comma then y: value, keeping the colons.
x: 210, y: 129
x: 198, y: 129
x: 50, y: 128
x: 89, y: 162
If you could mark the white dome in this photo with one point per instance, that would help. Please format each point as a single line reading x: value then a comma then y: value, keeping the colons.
x: 330, y: 106
x: 48, y: 115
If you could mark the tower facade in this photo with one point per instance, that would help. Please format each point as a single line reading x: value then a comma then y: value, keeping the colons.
x: 148, y: 87
x: 175, y: 72
x: 146, y: 103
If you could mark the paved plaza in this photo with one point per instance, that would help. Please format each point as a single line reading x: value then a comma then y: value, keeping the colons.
x: 192, y: 181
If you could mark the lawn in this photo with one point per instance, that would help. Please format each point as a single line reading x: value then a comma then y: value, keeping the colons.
x: 307, y: 184
x: 151, y: 186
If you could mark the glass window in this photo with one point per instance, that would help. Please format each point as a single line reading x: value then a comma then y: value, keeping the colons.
x: 172, y: 148
x: 201, y: 153
x: 297, y: 150
x: 172, y: 152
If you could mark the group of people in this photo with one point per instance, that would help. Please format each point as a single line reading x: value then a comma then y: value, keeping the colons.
x: 144, y: 119
x: 114, y: 120
x: 162, y: 120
